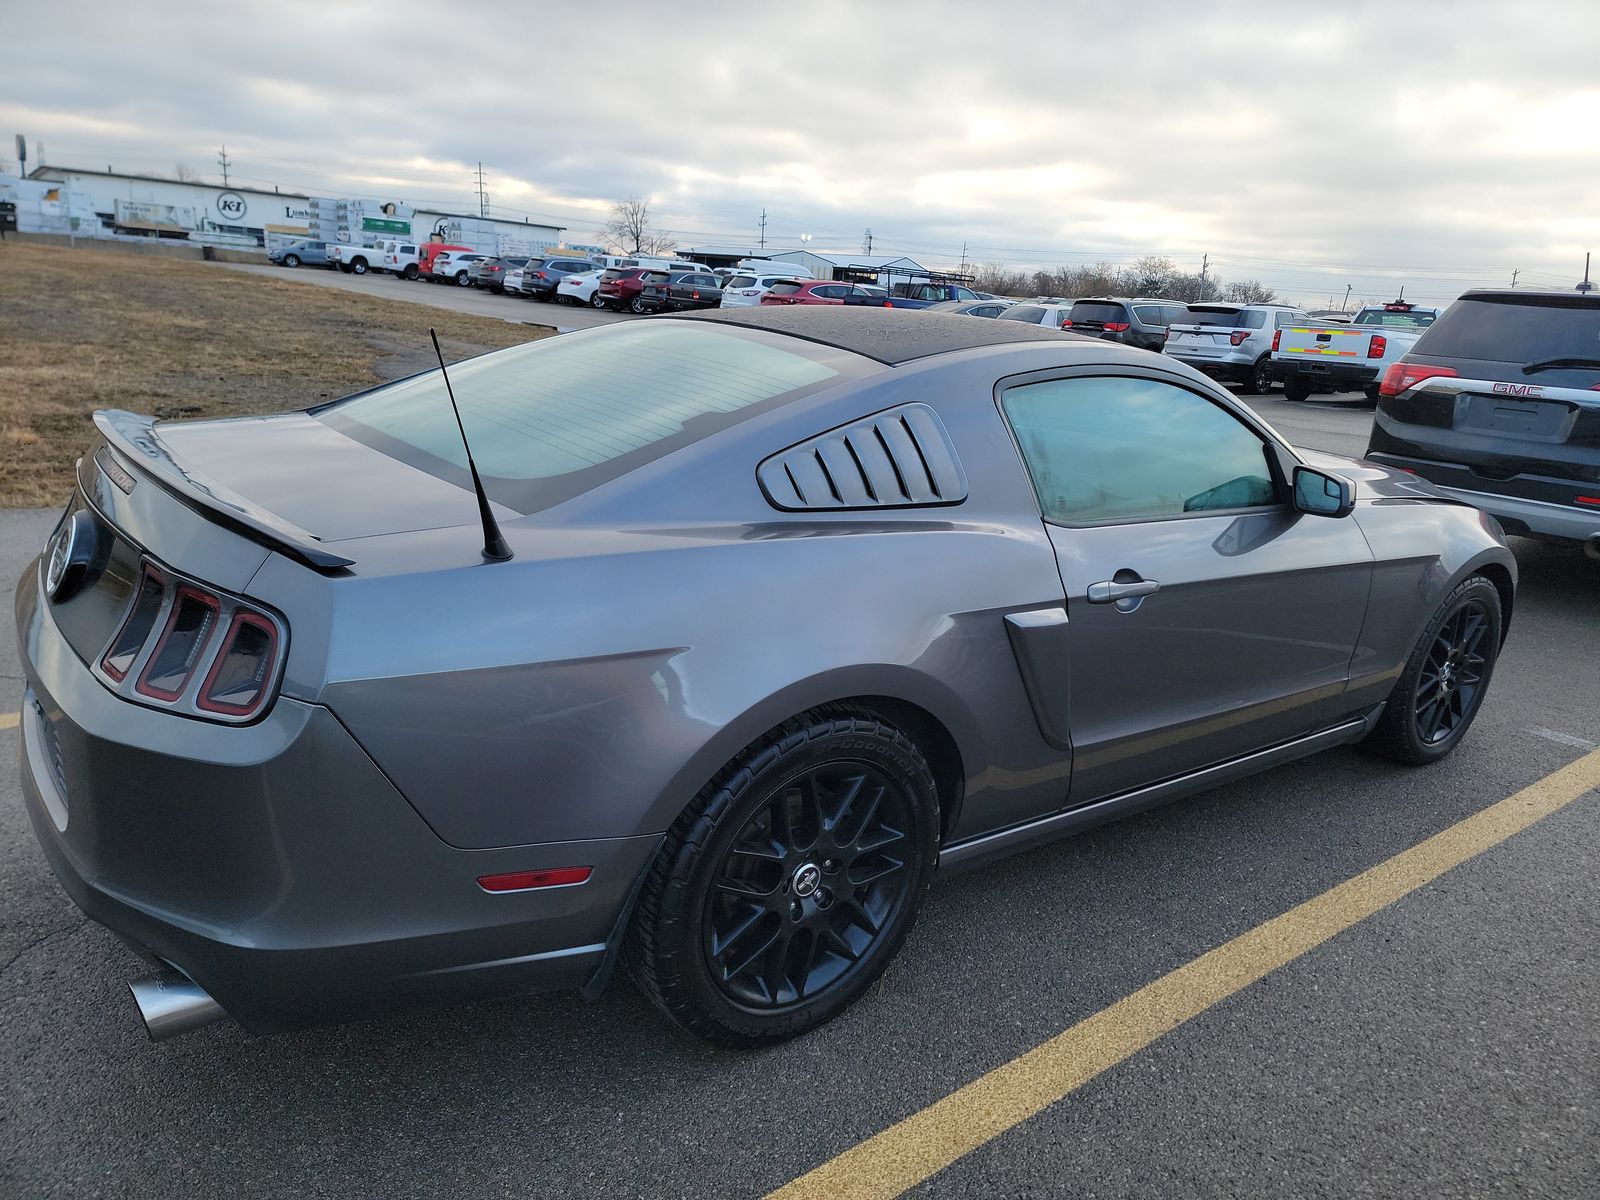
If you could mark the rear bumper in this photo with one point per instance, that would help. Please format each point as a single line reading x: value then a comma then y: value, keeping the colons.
x: 1518, y: 514
x: 277, y: 867
x: 1227, y: 369
x: 1343, y: 376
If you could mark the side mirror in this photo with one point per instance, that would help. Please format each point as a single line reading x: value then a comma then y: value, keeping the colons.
x: 1322, y: 495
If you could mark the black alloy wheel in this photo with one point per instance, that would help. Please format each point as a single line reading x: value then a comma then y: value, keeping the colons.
x: 1453, y: 675
x: 790, y: 882
x: 813, y: 877
x: 1260, y: 381
x: 1443, y: 684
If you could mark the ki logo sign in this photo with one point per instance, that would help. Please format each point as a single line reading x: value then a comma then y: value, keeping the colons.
x: 230, y: 206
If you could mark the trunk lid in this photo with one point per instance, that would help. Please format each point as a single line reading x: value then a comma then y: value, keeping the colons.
x: 294, y: 485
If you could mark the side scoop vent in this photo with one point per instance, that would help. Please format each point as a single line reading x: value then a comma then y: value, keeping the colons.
x: 900, y: 458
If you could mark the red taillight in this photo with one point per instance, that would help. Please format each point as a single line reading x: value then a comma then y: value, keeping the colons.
x: 1066, y: 323
x: 136, y: 627
x: 542, y: 275
x: 696, y: 295
x: 1403, y: 375
x: 1117, y: 326
x: 1277, y: 338
x: 189, y: 625
x: 522, y: 881
x: 241, y: 674
x: 1594, y: 500
x: 888, y: 303
x: 1238, y: 336
x: 1377, y: 345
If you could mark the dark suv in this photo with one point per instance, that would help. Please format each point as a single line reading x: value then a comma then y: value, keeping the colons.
x: 542, y: 276
x: 1499, y: 404
x: 1140, y: 321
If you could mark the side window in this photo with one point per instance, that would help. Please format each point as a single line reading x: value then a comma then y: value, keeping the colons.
x: 1286, y: 319
x: 1117, y: 449
x: 1255, y: 319
x: 831, y: 291
x: 1024, y: 312
x: 962, y: 293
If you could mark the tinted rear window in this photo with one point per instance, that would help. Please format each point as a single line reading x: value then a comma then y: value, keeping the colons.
x: 553, y: 418
x: 785, y: 289
x: 1224, y: 319
x: 742, y: 281
x: 1023, y: 312
x: 1396, y: 320
x: 1089, y: 310
x: 611, y: 274
x: 1519, y: 331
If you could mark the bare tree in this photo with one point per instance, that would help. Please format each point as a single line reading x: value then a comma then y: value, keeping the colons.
x: 1249, y: 291
x: 1002, y: 280
x: 184, y: 173
x: 629, y: 230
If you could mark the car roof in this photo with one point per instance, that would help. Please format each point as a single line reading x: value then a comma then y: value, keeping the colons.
x: 1532, y: 295
x: 888, y: 335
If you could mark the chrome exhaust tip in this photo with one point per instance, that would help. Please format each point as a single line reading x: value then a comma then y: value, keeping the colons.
x: 171, y: 1003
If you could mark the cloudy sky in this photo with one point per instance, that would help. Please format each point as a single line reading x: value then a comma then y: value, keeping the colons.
x: 1436, y: 145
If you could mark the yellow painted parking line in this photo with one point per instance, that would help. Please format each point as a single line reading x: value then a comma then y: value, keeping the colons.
x: 926, y: 1142
x: 9, y: 720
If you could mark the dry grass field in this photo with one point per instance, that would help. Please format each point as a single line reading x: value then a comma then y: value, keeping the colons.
x: 82, y: 329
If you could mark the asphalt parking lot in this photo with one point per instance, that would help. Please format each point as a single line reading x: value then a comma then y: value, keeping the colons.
x: 564, y: 317
x: 1446, y: 1045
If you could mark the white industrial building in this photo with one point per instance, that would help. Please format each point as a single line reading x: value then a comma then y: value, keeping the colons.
x: 854, y: 268
x: 107, y: 204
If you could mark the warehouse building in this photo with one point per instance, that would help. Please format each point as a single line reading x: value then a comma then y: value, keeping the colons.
x: 854, y: 268
x: 109, y: 204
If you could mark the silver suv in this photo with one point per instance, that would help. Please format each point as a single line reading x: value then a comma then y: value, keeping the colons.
x: 1231, y: 343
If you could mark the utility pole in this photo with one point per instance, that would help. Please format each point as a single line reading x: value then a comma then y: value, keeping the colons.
x: 867, y: 249
x: 222, y: 161
x: 1205, y: 265
x: 483, y: 196
x: 763, y: 229
x: 1344, y: 305
x: 1514, y: 275
x: 963, y: 258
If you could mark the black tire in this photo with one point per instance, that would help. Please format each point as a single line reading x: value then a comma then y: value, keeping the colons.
x: 359, y: 266
x: 597, y: 301
x: 1372, y: 394
x: 1259, y: 381
x: 720, y: 875
x: 344, y: 267
x: 1297, y: 390
x: 291, y: 260
x: 410, y: 273
x: 1446, y: 677
x: 462, y: 280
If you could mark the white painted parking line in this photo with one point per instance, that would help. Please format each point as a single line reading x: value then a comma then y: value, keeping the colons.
x: 1566, y: 739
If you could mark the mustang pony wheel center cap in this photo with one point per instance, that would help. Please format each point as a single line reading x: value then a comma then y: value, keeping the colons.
x: 805, y: 880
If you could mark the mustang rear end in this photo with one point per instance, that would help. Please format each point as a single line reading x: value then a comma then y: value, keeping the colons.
x: 191, y: 794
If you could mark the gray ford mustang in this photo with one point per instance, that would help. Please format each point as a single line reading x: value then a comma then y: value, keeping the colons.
x: 802, y: 605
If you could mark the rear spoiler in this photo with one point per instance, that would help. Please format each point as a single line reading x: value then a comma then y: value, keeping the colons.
x: 136, y: 438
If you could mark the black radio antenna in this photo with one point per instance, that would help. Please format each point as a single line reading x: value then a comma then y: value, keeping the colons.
x: 494, y: 544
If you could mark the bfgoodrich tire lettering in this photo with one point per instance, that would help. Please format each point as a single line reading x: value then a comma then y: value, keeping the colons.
x: 1444, y: 682
x: 789, y: 884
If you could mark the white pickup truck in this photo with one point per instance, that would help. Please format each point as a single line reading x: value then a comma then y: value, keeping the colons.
x: 1316, y: 356
x: 376, y: 257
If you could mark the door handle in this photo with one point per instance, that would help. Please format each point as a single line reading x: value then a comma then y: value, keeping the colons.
x: 1114, y: 591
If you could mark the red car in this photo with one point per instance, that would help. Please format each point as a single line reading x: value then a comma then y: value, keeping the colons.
x: 820, y: 291
x: 624, y: 286
x: 431, y: 251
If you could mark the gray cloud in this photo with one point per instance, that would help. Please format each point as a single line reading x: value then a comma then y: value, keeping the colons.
x: 1372, y: 143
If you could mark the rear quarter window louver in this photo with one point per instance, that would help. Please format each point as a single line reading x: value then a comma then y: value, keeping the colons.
x: 900, y: 458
